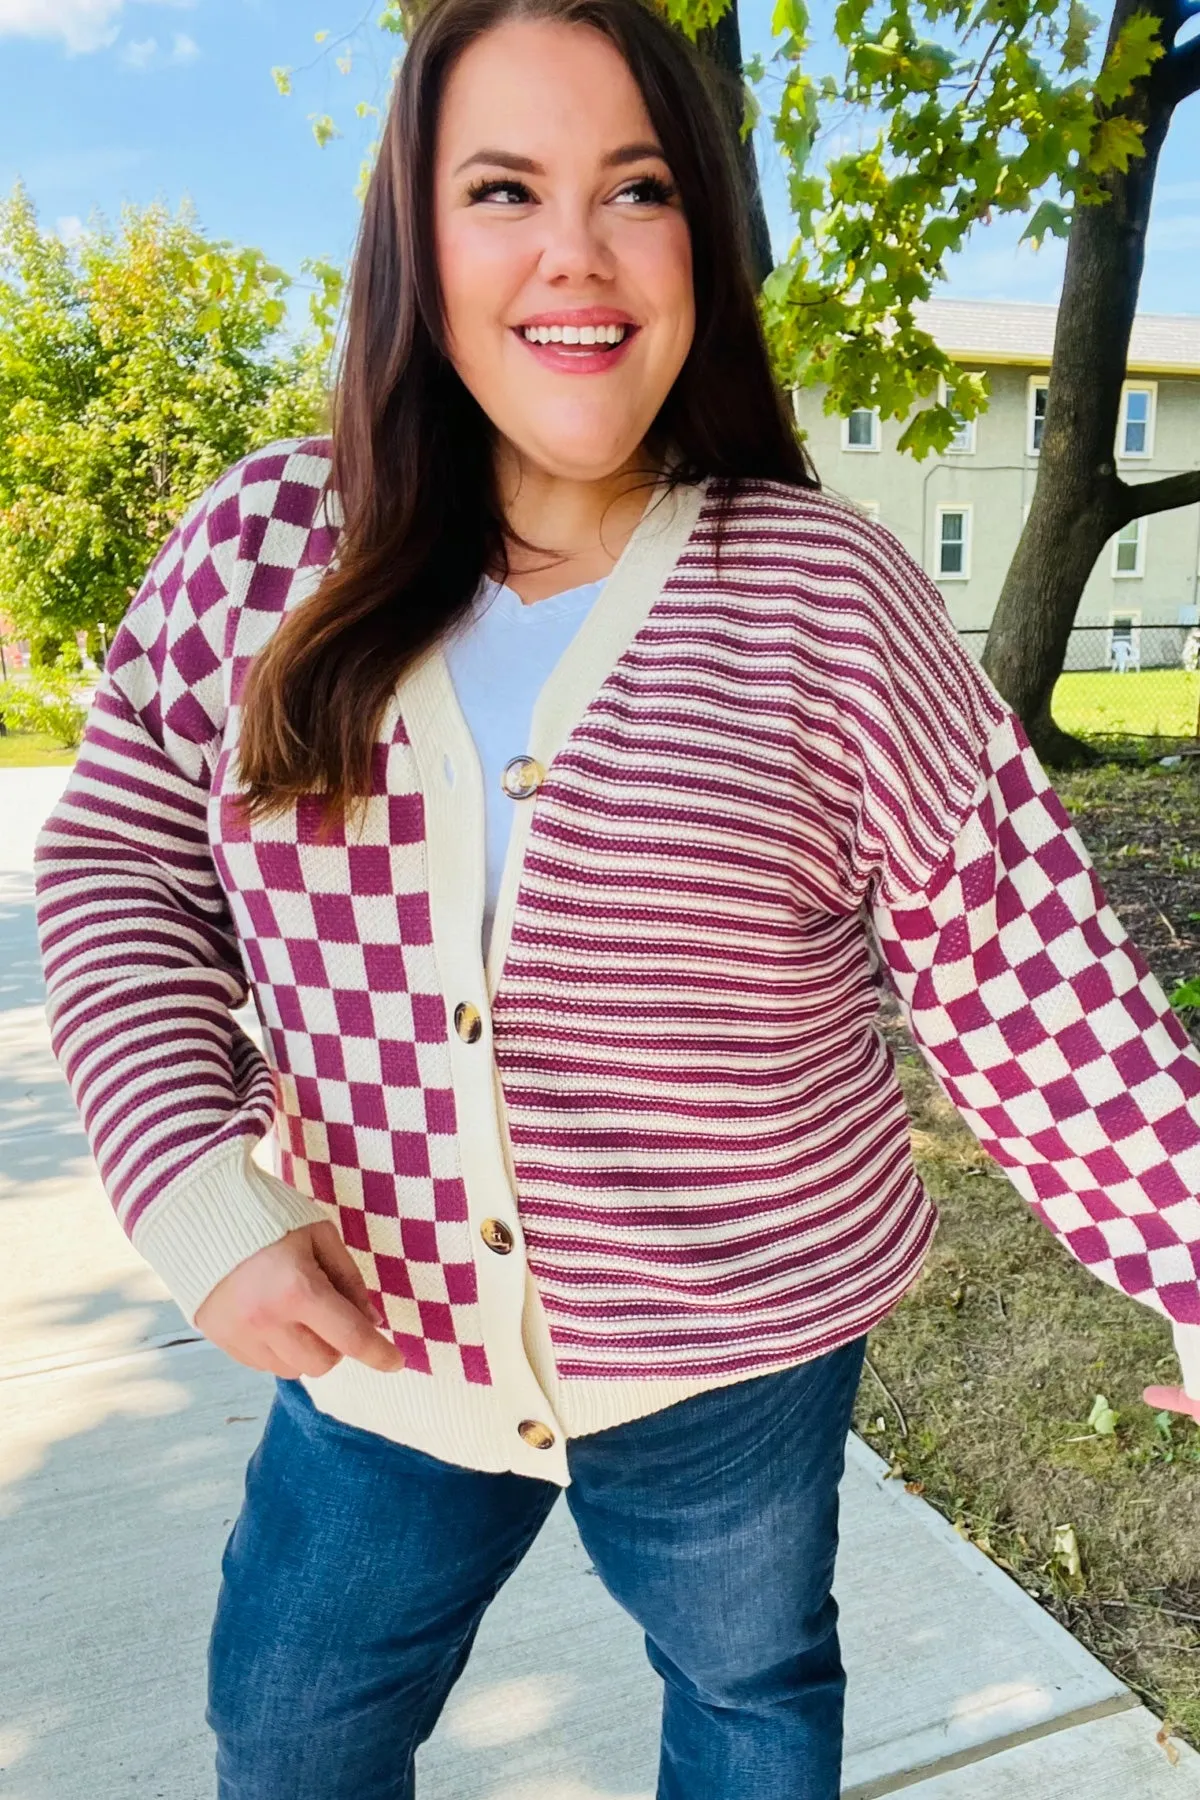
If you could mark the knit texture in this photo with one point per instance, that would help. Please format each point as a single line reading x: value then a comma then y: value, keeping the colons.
x: 791, y: 776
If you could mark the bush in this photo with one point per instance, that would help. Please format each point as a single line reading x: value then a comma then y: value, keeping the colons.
x: 45, y: 703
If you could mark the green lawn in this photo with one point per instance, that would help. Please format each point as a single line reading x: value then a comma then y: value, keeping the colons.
x: 32, y: 750
x: 1152, y: 703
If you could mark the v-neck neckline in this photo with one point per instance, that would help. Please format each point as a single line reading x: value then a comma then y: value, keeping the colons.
x: 552, y: 606
x: 441, y: 738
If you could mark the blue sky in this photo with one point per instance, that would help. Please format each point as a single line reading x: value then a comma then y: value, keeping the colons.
x: 103, y: 101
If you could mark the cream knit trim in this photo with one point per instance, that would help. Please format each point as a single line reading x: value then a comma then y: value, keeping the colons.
x: 621, y: 609
x: 225, y: 1209
x: 465, y: 1423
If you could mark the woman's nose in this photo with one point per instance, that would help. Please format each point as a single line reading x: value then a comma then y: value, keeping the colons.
x: 575, y: 245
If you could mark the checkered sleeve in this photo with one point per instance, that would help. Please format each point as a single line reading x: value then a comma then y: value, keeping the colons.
x: 1052, y: 1038
x: 141, y: 964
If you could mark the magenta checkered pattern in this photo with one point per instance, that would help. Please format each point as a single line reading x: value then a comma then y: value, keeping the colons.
x: 332, y: 931
x: 1052, y: 1037
x: 336, y: 934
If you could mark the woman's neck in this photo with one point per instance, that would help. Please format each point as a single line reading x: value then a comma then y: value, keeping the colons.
x: 583, y: 525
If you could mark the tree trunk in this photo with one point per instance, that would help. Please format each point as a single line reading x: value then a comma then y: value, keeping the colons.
x: 722, y: 44
x: 1079, y: 500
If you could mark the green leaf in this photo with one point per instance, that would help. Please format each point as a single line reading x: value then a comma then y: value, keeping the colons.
x: 1102, y: 1419
x: 1050, y: 220
x: 1138, y: 47
x: 1078, y: 36
x: 1187, y: 995
x: 1116, y: 141
x: 274, y: 313
x: 208, y: 318
x: 789, y: 16
x: 323, y: 128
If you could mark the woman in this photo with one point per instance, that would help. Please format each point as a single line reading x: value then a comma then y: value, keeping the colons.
x: 554, y: 764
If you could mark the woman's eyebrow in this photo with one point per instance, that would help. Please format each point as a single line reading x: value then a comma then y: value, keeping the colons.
x: 508, y: 159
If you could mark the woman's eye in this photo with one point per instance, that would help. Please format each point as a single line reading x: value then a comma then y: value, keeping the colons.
x: 481, y: 190
x: 651, y: 189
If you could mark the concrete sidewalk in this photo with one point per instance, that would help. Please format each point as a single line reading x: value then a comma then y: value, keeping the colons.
x: 122, y: 1447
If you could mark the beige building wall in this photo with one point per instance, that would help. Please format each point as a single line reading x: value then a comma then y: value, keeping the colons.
x: 991, y: 484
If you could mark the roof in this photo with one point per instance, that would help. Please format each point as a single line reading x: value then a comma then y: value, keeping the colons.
x: 1021, y: 332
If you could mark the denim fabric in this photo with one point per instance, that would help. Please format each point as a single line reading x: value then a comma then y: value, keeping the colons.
x: 358, y: 1572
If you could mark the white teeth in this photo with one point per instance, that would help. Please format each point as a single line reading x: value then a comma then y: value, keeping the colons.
x: 573, y: 334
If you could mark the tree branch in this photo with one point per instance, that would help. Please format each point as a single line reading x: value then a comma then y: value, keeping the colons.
x: 1181, y: 68
x: 1137, y: 500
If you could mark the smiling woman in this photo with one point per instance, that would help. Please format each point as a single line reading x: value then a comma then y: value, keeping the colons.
x: 557, y: 767
x: 539, y: 161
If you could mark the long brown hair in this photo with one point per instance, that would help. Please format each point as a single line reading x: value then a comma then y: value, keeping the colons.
x: 412, y: 451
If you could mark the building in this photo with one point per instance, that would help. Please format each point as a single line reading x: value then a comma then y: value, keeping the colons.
x: 960, y: 514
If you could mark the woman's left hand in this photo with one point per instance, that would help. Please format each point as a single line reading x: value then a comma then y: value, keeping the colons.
x: 1171, y: 1399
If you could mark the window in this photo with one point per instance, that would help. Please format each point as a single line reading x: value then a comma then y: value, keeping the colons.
x: 963, y: 441
x: 954, y: 543
x: 1038, y: 394
x: 1135, y: 433
x: 1129, y: 549
x: 860, y: 431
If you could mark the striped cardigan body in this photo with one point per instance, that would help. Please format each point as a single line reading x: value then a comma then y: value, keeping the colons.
x: 764, y: 777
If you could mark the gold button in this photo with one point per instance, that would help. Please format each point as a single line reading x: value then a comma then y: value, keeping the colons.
x: 468, y: 1022
x: 522, y: 777
x: 497, y: 1236
x: 536, y: 1435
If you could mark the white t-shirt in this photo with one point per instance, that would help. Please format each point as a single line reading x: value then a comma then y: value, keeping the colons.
x: 499, y: 661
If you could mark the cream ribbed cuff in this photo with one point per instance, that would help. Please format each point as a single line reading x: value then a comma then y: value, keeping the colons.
x: 212, y: 1219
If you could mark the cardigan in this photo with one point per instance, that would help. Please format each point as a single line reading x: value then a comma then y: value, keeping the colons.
x: 655, y: 1143
x: 498, y: 660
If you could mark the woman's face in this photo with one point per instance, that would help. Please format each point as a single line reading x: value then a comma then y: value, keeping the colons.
x: 554, y: 206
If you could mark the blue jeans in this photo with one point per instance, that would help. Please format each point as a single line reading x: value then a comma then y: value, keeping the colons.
x: 358, y: 1572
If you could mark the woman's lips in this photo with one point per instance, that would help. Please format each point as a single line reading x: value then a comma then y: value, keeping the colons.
x: 579, y: 359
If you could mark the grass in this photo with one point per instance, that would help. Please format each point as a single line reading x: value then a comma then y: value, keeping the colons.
x: 1160, y: 703
x: 32, y: 750
x: 981, y: 1388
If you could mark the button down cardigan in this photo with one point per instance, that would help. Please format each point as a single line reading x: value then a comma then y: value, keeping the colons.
x: 765, y: 778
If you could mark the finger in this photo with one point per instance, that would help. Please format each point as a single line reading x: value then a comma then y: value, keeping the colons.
x: 261, y: 1358
x: 1171, y: 1399
x: 302, y: 1350
x: 342, y: 1270
x: 338, y: 1322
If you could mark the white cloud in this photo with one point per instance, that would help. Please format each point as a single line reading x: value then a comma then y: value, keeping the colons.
x: 145, y: 53
x: 139, y: 53
x: 79, y: 25
x: 69, y: 228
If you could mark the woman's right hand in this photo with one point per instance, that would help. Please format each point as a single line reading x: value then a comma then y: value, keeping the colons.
x: 296, y: 1308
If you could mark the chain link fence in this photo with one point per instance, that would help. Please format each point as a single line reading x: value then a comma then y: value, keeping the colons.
x: 1126, y: 681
